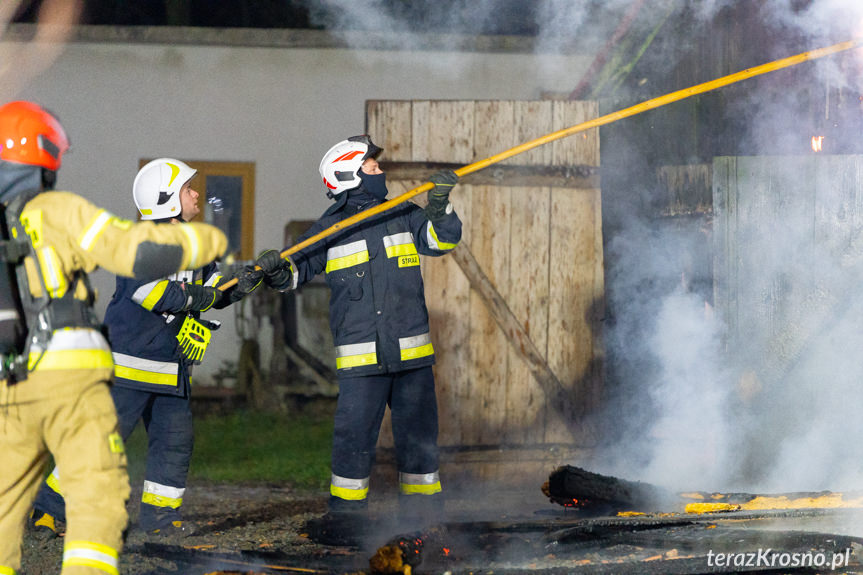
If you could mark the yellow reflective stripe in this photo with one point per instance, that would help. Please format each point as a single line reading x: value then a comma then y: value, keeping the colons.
x: 94, y: 230
x: 424, y: 483
x: 161, y: 500
x: 6, y: 570
x: 89, y: 554
x: 417, y: 352
x: 436, y: 243
x: 415, y: 346
x: 146, y: 376
x: 349, y: 494
x: 347, y: 261
x: 347, y: 488
x: 355, y: 360
x: 194, y: 245
x: 401, y: 250
x: 154, y: 296
x: 71, y: 359
x: 214, y: 280
x: 53, y: 481
x: 422, y: 489
x: 355, y: 354
x: 347, y: 255
x: 49, y: 263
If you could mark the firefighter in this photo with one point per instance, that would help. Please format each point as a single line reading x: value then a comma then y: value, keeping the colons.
x: 379, y: 323
x: 54, y: 395
x: 154, y: 328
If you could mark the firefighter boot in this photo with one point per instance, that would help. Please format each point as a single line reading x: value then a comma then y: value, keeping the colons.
x: 339, y: 528
x: 44, y: 525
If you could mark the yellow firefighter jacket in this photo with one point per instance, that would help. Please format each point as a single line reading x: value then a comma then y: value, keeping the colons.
x: 71, y: 236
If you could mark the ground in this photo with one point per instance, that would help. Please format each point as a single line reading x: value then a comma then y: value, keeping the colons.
x: 260, y: 529
x: 252, y: 529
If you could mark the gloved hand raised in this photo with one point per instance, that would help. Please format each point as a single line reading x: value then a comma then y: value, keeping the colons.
x: 199, y: 297
x: 277, y: 270
x: 248, y: 279
x: 438, y: 196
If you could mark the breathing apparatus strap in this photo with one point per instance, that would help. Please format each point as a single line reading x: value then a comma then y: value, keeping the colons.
x: 42, y: 313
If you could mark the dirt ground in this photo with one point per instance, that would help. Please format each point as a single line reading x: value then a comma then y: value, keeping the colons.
x: 251, y: 529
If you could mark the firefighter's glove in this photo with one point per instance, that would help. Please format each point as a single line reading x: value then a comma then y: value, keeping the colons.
x: 194, y: 337
x: 277, y: 270
x: 248, y: 279
x: 199, y: 297
x: 438, y: 197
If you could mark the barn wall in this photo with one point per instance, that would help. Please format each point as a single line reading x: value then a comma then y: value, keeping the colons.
x: 541, y: 248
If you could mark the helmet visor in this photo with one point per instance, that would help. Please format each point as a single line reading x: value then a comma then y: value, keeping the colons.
x: 373, y: 151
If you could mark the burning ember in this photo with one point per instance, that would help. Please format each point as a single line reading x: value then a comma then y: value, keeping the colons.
x: 817, y: 142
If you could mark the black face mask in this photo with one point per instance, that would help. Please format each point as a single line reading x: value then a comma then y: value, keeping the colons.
x: 375, y: 184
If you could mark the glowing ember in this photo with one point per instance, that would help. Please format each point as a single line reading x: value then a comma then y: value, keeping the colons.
x: 817, y: 142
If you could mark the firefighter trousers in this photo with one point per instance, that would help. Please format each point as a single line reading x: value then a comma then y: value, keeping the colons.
x: 170, y: 435
x: 69, y: 414
x: 359, y: 411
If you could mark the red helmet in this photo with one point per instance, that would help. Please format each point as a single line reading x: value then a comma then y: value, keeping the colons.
x: 29, y: 134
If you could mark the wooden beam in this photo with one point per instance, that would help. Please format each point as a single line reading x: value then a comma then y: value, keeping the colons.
x: 558, y: 396
x: 583, y: 177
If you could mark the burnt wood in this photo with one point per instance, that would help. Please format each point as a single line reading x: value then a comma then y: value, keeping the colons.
x: 582, y: 177
x: 568, y: 482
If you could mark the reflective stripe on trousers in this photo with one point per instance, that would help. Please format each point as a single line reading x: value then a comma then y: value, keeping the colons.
x: 89, y: 554
x: 347, y: 488
x: 424, y: 483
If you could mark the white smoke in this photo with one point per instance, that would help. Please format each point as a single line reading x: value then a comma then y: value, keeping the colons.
x: 755, y: 409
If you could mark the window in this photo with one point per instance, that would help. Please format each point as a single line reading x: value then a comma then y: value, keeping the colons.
x: 227, y: 201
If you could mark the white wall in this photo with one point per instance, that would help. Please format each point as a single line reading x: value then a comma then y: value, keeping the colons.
x: 281, y: 108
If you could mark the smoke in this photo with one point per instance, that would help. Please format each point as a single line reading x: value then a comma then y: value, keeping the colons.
x: 751, y: 384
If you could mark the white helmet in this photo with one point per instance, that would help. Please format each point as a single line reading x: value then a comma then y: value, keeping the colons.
x: 157, y: 188
x: 342, y: 162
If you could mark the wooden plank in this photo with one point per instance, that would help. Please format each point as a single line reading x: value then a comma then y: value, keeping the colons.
x: 420, y: 126
x: 494, y: 132
x: 500, y: 175
x: 529, y: 273
x: 533, y: 119
x: 688, y: 189
x: 572, y: 300
x: 582, y: 148
x: 488, y: 345
x: 451, y: 132
x: 529, y: 300
x: 389, y: 123
x: 448, y: 296
x: 495, y: 128
x: 574, y: 260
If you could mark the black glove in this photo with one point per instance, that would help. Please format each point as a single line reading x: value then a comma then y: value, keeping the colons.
x: 438, y: 196
x: 248, y: 279
x: 277, y: 270
x: 200, y: 298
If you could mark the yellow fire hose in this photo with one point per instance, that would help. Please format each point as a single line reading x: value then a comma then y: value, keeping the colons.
x: 595, y: 123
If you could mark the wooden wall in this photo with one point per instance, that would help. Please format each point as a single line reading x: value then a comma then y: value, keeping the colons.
x: 788, y: 252
x: 535, y: 230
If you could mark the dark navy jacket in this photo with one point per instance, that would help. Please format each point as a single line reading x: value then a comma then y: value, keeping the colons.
x: 378, y: 314
x: 143, y: 322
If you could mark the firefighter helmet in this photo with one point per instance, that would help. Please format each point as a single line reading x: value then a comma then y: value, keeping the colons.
x: 157, y: 188
x: 341, y: 164
x: 30, y: 134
